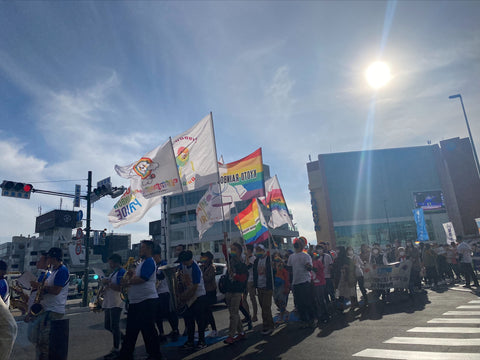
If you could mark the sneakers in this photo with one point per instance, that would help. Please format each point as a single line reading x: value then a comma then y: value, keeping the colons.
x: 213, y: 333
x: 241, y: 336
x: 201, y: 345
x: 229, y: 340
x: 267, y: 331
x: 188, y: 346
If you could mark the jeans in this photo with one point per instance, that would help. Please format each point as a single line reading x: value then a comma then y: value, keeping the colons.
x: 303, y: 293
x: 265, y: 301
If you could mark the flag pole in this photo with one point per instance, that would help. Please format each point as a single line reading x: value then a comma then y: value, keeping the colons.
x: 270, y: 239
x: 183, y: 193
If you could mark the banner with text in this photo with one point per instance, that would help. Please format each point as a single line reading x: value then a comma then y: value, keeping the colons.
x: 384, y: 277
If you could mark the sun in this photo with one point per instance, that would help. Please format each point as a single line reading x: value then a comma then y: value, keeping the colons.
x: 378, y: 74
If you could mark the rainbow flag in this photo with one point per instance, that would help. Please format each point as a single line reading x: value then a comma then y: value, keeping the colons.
x: 276, y: 203
x: 251, y: 224
x: 245, y: 175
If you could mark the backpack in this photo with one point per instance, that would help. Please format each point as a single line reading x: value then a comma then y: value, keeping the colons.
x: 223, y: 283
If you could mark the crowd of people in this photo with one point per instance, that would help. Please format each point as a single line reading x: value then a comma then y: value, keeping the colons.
x: 321, y: 279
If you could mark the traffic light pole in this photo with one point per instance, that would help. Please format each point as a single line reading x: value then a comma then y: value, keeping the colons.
x: 87, y: 241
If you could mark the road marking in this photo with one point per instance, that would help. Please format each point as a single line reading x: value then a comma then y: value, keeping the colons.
x: 447, y: 330
x: 468, y: 307
x: 415, y: 355
x: 465, y: 313
x: 433, y: 341
x: 461, y: 289
x: 474, y: 302
x: 453, y: 321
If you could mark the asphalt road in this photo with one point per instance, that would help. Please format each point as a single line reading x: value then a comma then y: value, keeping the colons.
x: 442, y: 324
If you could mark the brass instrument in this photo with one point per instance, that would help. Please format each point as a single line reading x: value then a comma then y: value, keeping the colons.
x: 37, y: 308
x: 20, y: 302
x: 96, y: 306
x: 129, y: 267
x: 182, y: 283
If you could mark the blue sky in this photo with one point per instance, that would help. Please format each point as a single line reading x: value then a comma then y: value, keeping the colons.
x: 87, y: 85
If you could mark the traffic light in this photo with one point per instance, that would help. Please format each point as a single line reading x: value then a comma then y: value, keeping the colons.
x: 16, y: 189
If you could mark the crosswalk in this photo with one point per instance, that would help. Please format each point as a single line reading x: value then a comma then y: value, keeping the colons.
x: 464, y: 322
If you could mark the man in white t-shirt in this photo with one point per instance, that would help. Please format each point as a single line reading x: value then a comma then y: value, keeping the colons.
x: 465, y: 254
x: 301, y: 264
x: 112, y: 302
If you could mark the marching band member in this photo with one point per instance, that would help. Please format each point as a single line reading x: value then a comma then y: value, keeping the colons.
x: 8, y: 331
x: 113, y: 303
x: 165, y: 308
x: 54, y: 298
x: 142, y: 296
x: 194, y: 296
x: 4, y: 289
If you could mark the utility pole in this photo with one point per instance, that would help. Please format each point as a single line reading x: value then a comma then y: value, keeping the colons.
x: 87, y: 241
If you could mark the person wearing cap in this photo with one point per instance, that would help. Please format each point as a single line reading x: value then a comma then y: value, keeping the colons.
x: 209, y: 272
x: 112, y: 304
x: 4, y: 288
x: 142, y: 308
x: 263, y: 282
x: 165, y: 307
x: 194, y: 296
x: 54, y: 298
x: 301, y: 265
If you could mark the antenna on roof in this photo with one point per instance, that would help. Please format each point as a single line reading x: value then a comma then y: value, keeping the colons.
x: 429, y: 142
x: 309, y: 158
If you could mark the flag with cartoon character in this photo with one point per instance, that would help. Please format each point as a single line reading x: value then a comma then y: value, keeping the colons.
x: 195, y: 155
x: 154, y: 174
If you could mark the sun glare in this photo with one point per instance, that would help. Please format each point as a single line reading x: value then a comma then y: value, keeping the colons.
x: 378, y: 74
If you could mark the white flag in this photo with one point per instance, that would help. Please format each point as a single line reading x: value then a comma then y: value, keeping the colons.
x: 450, y: 232
x: 131, y: 207
x: 155, y: 174
x: 276, y: 203
x: 196, y: 155
x: 209, y: 208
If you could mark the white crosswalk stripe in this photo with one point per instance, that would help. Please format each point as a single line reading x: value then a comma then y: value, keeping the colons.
x: 446, y: 330
x: 464, y: 315
x: 415, y: 355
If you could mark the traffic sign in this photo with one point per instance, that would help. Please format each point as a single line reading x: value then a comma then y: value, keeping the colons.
x: 79, y: 234
x: 79, y: 215
x: 76, y: 199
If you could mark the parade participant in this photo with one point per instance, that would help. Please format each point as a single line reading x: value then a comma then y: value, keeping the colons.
x: 8, y: 331
x: 413, y: 254
x: 112, y: 304
x: 142, y: 297
x: 251, y: 291
x: 430, y: 263
x: 281, y: 287
x: 465, y: 257
x: 237, y: 276
x: 318, y: 280
x: 209, y: 272
x: 377, y: 258
x: 54, y: 293
x: 4, y: 288
x: 327, y: 262
x: 358, y: 273
x: 165, y: 308
x: 344, y: 276
x: 301, y: 265
x: 263, y: 282
x: 193, y: 295
x: 452, y: 262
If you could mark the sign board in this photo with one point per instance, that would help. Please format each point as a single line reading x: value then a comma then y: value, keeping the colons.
x: 79, y: 215
x: 449, y: 232
x: 107, y: 182
x: 79, y: 234
x: 384, y: 277
x: 76, y: 199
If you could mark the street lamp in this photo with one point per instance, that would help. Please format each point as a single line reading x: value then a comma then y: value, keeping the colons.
x: 469, y: 132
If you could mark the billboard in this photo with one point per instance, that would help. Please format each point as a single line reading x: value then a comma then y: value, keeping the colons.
x: 56, y: 219
x: 429, y: 200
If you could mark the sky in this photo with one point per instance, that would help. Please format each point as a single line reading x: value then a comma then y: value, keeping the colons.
x: 87, y: 85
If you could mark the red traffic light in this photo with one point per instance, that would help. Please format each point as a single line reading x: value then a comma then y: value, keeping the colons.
x: 27, y: 187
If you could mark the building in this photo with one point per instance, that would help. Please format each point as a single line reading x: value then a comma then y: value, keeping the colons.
x: 114, y: 243
x: 368, y: 196
x: 178, y: 226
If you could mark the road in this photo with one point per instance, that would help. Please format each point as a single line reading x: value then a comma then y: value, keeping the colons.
x: 443, y: 324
